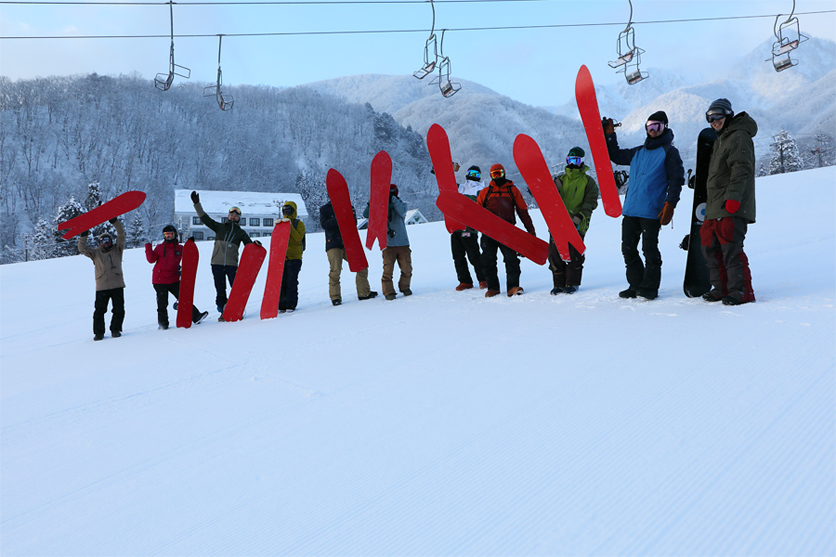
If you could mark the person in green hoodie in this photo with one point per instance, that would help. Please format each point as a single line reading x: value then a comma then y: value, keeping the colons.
x: 730, y: 206
x: 579, y: 193
x: 289, y: 296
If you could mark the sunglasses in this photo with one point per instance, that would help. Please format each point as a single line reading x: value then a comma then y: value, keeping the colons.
x: 654, y: 126
x: 714, y: 116
x: 574, y: 161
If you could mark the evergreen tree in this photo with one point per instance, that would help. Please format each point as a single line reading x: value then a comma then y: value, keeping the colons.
x: 135, y: 232
x: 43, y: 240
x: 315, y: 194
x: 67, y: 211
x: 785, y: 154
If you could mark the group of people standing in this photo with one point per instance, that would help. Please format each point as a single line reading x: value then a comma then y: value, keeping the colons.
x: 656, y: 179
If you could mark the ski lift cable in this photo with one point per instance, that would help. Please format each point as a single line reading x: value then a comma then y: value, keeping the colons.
x: 402, y: 31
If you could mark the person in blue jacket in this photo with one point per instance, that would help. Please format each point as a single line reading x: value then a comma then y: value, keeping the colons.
x: 656, y: 179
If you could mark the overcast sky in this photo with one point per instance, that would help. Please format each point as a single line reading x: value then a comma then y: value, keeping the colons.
x: 535, y: 66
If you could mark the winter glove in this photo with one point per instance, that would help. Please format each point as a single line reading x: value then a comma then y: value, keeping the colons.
x: 666, y: 214
x: 531, y: 231
x: 284, y: 219
x: 195, y: 197
x: 256, y: 242
x: 113, y: 220
x: 576, y: 220
x: 608, y: 125
x: 732, y: 206
x: 85, y: 233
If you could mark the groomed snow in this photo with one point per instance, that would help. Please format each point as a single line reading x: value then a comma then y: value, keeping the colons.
x: 440, y: 424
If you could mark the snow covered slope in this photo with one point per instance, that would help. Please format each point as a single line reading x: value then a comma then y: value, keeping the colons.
x: 440, y: 424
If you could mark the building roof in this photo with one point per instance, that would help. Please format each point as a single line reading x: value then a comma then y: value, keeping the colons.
x: 250, y: 202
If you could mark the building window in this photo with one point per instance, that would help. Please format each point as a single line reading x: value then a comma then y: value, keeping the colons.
x: 269, y: 222
x: 195, y: 220
x: 254, y: 222
x: 197, y: 236
x: 255, y: 234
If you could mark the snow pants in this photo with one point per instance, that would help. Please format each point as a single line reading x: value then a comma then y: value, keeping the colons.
x: 403, y: 256
x: 565, y: 273
x: 163, y: 291
x: 222, y: 273
x: 647, y: 275
x: 336, y: 256
x: 721, y: 241
x: 489, y: 264
x: 103, y: 297
x: 465, y: 246
x: 289, y: 295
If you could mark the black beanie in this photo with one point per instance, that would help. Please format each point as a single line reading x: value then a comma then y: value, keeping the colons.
x: 722, y: 106
x: 658, y: 116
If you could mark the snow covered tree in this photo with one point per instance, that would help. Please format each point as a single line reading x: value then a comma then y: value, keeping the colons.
x: 65, y: 212
x: 315, y: 195
x: 94, y: 196
x: 42, y: 240
x: 785, y: 154
x: 135, y: 232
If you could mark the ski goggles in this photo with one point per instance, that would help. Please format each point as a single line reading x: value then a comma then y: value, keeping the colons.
x: 474, y: 174
x: 287, y: 210
x: 574, y: 161
x: 654, y: 126
x: 235, y: 210
x: 497, y: 173
x: 169, y: 234
x: 714, y: 116
x: 106, y: 241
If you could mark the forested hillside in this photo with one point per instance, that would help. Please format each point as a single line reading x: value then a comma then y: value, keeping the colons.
x: 60, y: 134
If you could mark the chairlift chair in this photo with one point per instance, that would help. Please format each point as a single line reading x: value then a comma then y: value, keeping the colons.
x: 789, y: 37
x: 783, y: 62
x: 163, y: 81
x: 225, y: 102
x: 448, y: 88
x: 429, y: 60
x: 629, y: 55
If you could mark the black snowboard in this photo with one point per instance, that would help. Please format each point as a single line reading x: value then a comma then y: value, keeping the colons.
x: 696, y: 272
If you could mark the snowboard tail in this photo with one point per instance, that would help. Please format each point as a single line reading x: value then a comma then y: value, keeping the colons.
x: 188, y: 274
x: 251, y: 259
x: 439, y: 147
x: 346, y: 221
x: 696, y: 282
x: 381, y: 178
x: 115, y: 207
x: 275, y: 269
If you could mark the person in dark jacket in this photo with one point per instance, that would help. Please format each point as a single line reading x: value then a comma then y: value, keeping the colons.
x: 289, y: 295
x: 335, y: 250
x: 165, y: 277
x: 465, y: 243
x: 228, y: 237
x: 656, y: 179
x: 397, y: 248
x: 730, y: 206
x: 579, y: 193
x: 110, y: 283
x: 502, y: 198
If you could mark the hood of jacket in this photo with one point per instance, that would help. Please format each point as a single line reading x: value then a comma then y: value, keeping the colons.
x: 741, y: 122
x: 293, y: 216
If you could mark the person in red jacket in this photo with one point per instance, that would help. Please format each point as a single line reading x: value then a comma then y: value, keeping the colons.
x: 502, y: 198
x: 166, y: 274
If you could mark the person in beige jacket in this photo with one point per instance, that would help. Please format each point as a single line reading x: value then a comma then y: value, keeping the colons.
x: 110, y: 285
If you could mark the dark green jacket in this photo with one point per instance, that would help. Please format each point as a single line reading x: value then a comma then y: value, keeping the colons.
x: 731, y: 171
x: 228, y: 237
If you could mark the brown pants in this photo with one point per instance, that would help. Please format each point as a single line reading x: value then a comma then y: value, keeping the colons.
x: 336, y: 256
x: 403, y: 255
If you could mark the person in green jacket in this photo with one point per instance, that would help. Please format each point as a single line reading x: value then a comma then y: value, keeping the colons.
x: 289, y: 296
x: 579, y: 193
x: 730, y: 205
x: 228, y: 237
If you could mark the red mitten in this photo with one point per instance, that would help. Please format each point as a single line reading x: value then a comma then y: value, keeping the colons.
x: 732, y: 206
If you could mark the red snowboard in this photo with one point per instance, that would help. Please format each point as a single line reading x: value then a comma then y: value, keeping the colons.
x: 381, y: 178
x: 251, y: 259
x: 117, y: 206
x: 347, y: 222
x: 475, y: 216
x: 588, y: 107
x: 535, y: 172
x: 439, y: 147
x: 188, y: 273
x: 275, y: 270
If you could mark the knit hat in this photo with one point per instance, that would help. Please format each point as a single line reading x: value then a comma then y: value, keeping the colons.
x: 658, y: 116
x: 393, y: 189
x: 474, y: 173
x: 720, y: 106
x: 498, y: 167
x: 169, y: 228
x: 576, y: 152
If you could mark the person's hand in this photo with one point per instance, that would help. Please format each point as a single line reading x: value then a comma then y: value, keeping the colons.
x: 85, y: 233
x: 732, y: 206
x: 532, y: 232
x: 666, y: 214
x: 607, y: 123
x: 577, y: 220
x: 113, y: 220
x: 256, y: 242
x: 284, y: 219
x: 195, y: 197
